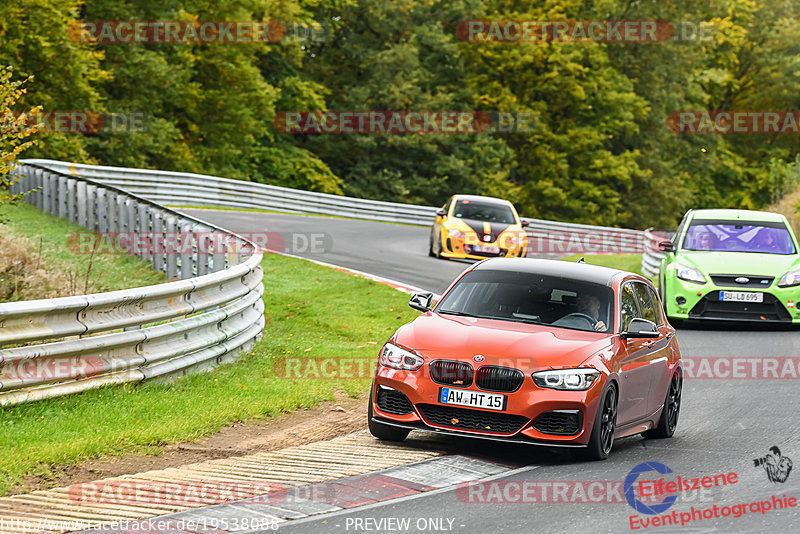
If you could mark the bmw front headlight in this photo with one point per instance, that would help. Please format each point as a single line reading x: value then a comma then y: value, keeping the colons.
x: 792, y: 278
x: 690, y: 274
x: 566, y: 379
x: 401, y: 359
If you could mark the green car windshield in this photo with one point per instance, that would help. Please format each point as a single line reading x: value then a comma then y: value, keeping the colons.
x: 738, y: 236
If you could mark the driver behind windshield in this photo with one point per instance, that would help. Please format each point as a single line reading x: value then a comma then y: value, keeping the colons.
x: 707, y: 241
x: 590, y: 305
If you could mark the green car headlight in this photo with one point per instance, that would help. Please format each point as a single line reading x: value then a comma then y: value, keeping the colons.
x: 690, y: 274
x: 792, y: 278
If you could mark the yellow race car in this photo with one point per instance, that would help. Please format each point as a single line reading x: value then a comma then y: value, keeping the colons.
x: 476, y: 227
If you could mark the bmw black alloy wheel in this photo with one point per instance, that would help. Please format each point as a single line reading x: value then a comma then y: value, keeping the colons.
x: 608, y: 420
x: 674, y: 400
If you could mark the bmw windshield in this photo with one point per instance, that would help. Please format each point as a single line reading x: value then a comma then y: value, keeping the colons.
x: 738, y: 236
x: 531, y: 298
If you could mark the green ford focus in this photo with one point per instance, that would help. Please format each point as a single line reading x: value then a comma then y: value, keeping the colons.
x: 731, y: 265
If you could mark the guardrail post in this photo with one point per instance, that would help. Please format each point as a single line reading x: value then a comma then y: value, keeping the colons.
x: 62, y: 196
x: 158, y: 241
x: 233, y: 251
x: 50, y: 188
x: 171, y: 245
x: 36, y: 182
x: 71, y: 185
x: 91, y: 207
x: 102, y: 210
x: 143, y: 230
x: 203, y: 250
x: 220, y: 246
x: 121, y: 214
x: 14, y: 187
x: 187, y: 250
x: 80, y: 202
x: 112, y: 212
x: 128, y: 213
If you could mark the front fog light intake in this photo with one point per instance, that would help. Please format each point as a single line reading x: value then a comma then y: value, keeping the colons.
x: 402, y: 359
x: 566, y: 379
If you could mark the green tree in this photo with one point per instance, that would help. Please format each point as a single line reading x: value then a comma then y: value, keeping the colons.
x: 36, y: 38
x: 401, y: 56
x: 15, y: 132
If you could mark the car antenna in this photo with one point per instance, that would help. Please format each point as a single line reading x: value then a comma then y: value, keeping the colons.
x: 581, y: 260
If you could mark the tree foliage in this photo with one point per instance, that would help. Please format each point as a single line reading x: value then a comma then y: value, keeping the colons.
x: 599, y: 151
x: 15, y: 132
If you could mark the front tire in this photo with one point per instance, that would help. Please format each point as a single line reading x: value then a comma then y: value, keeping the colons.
x: 438, y: 252
x: 381, y: 431
x: 672, y: 409
x: 605, y: 424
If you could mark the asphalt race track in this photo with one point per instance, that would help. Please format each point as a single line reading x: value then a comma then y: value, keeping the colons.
x: 395, y: 251
x: 725, y: 424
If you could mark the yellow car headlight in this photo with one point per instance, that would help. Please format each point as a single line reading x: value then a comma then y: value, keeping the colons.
x: 456, y: 234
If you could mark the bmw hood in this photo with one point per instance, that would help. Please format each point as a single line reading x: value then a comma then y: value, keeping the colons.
x: 509, y: 344
x: 745, y: 263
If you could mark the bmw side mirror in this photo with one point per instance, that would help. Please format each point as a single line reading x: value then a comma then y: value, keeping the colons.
x: 639, y: 328
x: 421, y: 301
x: 525, y: 224
x: 441, y: 213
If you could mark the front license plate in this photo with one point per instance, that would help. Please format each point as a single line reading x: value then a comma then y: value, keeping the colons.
x: 741, y: 296
x: 485, y: 248
x: 473, y: 399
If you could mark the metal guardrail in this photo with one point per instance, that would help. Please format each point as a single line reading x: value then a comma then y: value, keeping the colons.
x: 652, y: 255
x: 205, y: 318
x: 179, y: 188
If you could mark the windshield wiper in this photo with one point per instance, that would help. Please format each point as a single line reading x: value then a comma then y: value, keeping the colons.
x: 465, y: 314
x: 526, y: 321
x: 456, y: 312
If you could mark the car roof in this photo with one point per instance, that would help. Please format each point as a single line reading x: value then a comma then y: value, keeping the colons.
x: 583, y: 272
x: 488, y: 200
x: 729, y: 214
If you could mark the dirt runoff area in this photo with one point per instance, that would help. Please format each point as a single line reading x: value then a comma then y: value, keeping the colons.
x: 326, y: 421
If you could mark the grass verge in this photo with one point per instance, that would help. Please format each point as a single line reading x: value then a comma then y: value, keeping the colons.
x: 46, y: 237
x: 625, y: 262
x: 312, y: 311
